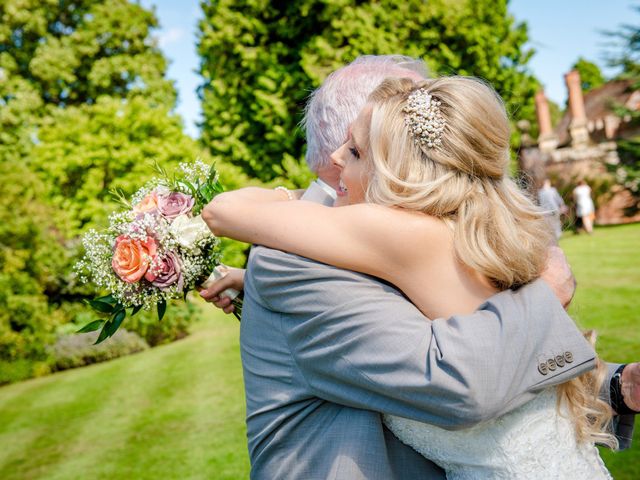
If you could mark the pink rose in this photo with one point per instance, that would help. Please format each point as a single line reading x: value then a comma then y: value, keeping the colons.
x: 173, y: 204
x: 131, y: 257
x: 147, y: 204
x: 165, y: 272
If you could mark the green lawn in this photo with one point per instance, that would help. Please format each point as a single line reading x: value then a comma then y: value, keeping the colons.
x: 173, y: 412
x: 177, y: 411
x: 607, y: 267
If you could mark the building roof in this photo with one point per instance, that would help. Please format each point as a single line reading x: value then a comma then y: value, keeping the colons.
x: 598, y: 104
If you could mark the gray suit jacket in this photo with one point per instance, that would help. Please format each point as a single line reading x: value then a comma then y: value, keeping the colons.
x: 324, y: 350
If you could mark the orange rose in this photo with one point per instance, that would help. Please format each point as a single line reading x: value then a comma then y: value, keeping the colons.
x: 131, y: 258
x: 147, y: 204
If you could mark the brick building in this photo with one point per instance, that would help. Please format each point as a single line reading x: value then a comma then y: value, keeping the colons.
x: 583, y: 144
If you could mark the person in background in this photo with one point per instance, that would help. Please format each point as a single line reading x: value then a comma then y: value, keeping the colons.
x: 585, y: 209
x: 553, y: 204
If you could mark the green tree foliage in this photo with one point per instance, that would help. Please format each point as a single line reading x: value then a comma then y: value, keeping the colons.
x: 31, y: 257
x: 72, y: 73
x: 626, y: 49
x: 261, y: 59
x: 85, y: 152
x: 85, y: 107
x: 590, y: 74
x: 627, y: 172
x: 72, y: 51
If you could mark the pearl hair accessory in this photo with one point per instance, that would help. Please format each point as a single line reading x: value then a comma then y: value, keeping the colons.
x: 424, y: 118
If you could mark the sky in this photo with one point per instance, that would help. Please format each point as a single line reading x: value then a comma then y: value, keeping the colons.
x: 559, y: 30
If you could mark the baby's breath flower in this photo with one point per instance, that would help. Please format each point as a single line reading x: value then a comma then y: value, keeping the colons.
x: 196, y: 262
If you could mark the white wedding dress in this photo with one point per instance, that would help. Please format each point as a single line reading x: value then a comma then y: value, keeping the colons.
x: 535, y: 441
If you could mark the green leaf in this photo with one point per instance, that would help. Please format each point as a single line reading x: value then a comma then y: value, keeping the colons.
x: 162, y: 308
x: 101, y: 306
x: 91, y: 327
x: 212, y: 172
x: 218, y: 188
x: 117, y: 320
x: 191, y: 188
x: 111, y: 326
x: 104, y: 334
x: 106, y: 299
x: 136, y: 309
x: 207, y: 193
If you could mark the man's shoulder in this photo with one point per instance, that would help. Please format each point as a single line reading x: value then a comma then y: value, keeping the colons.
x: 269, y: 260
x: 279, y: 277
x: 259, y: 253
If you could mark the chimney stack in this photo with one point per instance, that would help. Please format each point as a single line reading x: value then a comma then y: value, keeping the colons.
x: 578, y: 125
x: 547, y: 141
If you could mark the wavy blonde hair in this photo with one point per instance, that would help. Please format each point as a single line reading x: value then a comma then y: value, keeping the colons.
x: 498, y: 231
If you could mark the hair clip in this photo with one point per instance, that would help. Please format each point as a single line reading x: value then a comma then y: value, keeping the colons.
x: 424, y: 118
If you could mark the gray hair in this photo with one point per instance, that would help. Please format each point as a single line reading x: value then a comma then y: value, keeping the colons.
x: 336, y: 103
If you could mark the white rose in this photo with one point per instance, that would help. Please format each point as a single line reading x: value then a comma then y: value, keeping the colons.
x: 187, y: 231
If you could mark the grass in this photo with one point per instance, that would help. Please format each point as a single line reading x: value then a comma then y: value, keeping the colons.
x: 174, y: 412
x: 177, y: 411
x: 607, y: 268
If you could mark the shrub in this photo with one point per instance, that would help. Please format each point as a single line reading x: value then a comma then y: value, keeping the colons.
x: 77, y: 349
x: 22, y: 369
x: 174, y: 326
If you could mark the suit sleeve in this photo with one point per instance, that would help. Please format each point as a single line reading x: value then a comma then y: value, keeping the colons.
x: 359, y: 342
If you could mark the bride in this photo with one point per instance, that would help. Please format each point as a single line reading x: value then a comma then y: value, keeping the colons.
x: 429, y: 207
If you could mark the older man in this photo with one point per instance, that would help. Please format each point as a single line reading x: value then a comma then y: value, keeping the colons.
x: 325, y: 350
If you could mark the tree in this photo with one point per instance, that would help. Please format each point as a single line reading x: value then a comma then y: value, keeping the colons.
x: 85, y: 107
x: 626, y: 53
x: 590, y: 74
x: 85, y: 152
x: 70, y: 52
x: 261, y: 59
x: 31, y: 255
x: 110, y: 146
x: 66, y: 61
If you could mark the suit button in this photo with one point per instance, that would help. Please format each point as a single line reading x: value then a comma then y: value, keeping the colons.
x: 551, y: 363
x: 568, y: 357
x: 560, y: 360
x: 543, y: 369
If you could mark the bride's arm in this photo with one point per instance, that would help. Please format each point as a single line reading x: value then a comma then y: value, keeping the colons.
x: 355, y: 237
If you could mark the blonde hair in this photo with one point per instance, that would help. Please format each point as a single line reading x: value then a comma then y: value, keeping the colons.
x: 498, y: 231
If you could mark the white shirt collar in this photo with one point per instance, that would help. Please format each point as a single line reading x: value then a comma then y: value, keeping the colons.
x: 325, y: 186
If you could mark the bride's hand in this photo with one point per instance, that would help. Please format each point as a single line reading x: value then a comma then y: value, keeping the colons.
x: 558, y: 275
x: 234, y: 279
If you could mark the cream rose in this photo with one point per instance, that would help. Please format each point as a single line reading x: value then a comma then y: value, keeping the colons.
x: 187, y: 231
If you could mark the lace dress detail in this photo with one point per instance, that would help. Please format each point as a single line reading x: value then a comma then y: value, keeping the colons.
x: 535, y: 441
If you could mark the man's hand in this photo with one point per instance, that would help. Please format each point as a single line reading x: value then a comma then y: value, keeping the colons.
x: 558, y: 275
x: 233, y: 279
x: 631, y: 386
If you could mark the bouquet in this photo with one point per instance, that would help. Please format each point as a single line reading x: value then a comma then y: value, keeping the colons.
x: 158, y: 248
